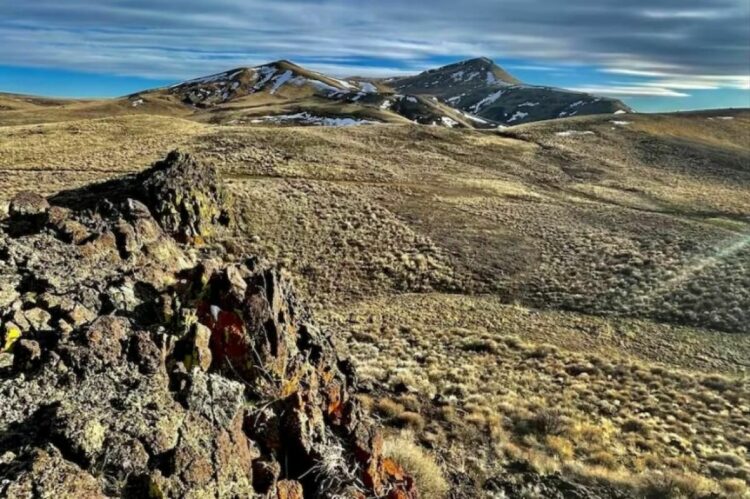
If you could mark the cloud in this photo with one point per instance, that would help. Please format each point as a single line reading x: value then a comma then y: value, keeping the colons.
x: 632, y: 90
x: 695, y: 40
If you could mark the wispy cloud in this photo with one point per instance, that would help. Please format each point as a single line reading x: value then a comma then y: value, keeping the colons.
x: 632, y: 90
x: 179, y: 39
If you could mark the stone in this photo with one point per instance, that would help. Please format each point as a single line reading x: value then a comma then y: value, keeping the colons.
x: 26, y: 354
x: 127, y: 239
x: 79, y: 315
x: 146, y: 353
x: 38, y: 318
x: 56, y: 215
x: 9, y: 334
x: 200, y: 338
x: 79, y: 430
x: 216, y: 398
x: 27, y: 204
x: 45, y: 473
x: 135, y: 209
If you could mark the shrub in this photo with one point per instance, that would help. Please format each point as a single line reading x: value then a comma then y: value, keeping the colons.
x: 634, y: 425
x: 544, y: 422
x: 671, y: 485
x: 418, y: 463
x: 388, y: 408
x: 411, y: 420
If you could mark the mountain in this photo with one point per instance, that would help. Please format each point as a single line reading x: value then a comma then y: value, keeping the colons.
x: 483, y: 89
x: 475, y: 93
x: 284, y: 93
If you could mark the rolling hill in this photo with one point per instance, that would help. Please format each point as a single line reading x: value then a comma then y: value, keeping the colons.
x: 556, y: 305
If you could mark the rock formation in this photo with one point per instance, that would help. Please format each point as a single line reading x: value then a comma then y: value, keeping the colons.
x: 139, y: 362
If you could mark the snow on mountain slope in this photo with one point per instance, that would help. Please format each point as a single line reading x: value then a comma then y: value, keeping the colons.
x: 475, y: 93
x: 273, y: 78
x: 484, y: 89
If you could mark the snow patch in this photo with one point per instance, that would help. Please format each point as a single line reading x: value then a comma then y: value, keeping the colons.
x: 386, y: 104
x: 487, y: 101
x: 620, y: 111
x: 306, y: 118
x: 324, y: 87
x: 455, y: 100
x: 518, y: 116
x: 137, y: 102
x: 411, y: 99
x: 528, y: 104
x: 344, y: 84
x: 263, y: 75
x: 474, y: 118
x: 573, y: 133
x: 449, y: 122
x: 458, y: 75
x: 368, y: 88
x: 621, y: 123
x: 280, y: 80
x: 491, y: 78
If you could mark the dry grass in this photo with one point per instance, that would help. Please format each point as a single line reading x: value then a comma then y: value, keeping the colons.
x: 577, y: 303
x: 427, y: 474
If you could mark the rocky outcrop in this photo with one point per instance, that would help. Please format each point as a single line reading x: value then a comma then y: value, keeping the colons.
x: 187, y: 199
x: 137, y: 364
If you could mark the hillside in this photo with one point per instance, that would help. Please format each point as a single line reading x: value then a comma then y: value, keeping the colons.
x: 557, y: 303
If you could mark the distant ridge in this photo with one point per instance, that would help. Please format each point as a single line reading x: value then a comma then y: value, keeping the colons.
x: 475, y: 93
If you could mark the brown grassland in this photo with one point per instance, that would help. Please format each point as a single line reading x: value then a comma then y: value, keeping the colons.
x: 573, y: 295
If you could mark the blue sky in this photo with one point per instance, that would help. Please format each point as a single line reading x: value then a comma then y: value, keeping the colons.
x: 656, y: 55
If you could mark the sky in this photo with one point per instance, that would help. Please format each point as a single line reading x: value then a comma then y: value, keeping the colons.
x: 656, y: 55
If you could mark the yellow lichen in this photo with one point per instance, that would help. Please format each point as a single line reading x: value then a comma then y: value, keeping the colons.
x: 11, y: 337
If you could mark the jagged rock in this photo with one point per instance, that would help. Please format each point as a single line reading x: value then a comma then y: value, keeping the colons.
x: 37, y: 318
x: 146, y: 353
x: 80, y: 432
x: 215, y: 397
x: 186, y: 198
x: 73, y: 232
x: 47, y: 474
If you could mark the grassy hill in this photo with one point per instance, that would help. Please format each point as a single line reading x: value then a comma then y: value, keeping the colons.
x: 571, y: 294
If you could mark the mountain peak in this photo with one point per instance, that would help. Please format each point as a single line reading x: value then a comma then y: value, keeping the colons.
x: 477, y: 61
x: 459, y: 77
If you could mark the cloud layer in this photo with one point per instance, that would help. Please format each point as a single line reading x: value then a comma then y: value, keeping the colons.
x: 673, y: 45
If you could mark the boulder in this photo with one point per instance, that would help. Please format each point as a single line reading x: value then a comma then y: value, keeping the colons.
x: 28, y: 205
x: 186, y: 197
